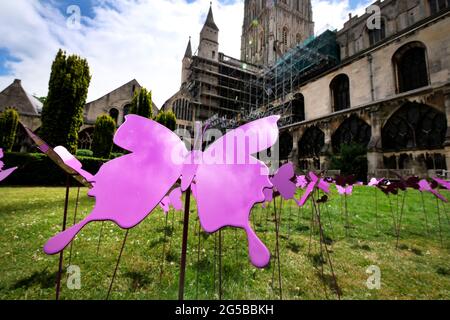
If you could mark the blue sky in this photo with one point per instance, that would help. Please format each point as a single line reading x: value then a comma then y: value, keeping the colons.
x: 126, y: 39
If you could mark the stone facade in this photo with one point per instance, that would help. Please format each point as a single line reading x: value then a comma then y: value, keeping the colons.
x: 386, y: 88
x: 272, y: 27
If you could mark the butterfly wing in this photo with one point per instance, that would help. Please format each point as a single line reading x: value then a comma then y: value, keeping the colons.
x: 6, y: 173
x: 282, y: 181
x: 128, y: 188
x: 72, y: 162
x: 227, y: 192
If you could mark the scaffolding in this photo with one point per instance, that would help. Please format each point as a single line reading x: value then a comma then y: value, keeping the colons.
x: 230, y: 92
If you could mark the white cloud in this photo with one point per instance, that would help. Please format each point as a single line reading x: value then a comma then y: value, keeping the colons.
x: 142, y: 39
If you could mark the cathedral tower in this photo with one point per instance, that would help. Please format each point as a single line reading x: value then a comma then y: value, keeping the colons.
x: 271, y: 27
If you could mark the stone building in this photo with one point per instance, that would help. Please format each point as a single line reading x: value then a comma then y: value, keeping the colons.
x: 116, y: 103
x: 387, y: 88
x: 271, y: 28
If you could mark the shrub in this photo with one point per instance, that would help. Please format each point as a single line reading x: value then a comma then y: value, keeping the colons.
x: 142, y: 103
x: 102, y: 143
x: 62, y: 114
x: 84, y: 153
x: 9, y: 119
x: 351, y: 160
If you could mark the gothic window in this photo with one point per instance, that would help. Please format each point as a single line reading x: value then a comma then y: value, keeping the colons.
x: 286, y: 145
x: 182, y: 110
x: 298, y: 107
x: 376, y: 35
x: 414, y: 126
x: 438, y: 5
x: 311, y: 143
x: 411, y: 67
x: 352, y: 130
x: 114, y: 113
x: 340, y: 92
x: 285, y: 36
x: 298, y: 38
x: 297, y: 5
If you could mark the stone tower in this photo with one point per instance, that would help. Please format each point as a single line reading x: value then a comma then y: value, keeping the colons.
x: 271, y: 27
x: 208, y: 47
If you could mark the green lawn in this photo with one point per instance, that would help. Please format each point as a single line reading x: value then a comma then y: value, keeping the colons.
x: 418, y: 269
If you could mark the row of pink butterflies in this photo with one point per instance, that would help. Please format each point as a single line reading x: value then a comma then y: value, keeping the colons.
x: 127, y: 189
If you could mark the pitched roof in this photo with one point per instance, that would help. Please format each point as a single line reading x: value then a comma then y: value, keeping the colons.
x: 15, y: 96
x: 210, y: 20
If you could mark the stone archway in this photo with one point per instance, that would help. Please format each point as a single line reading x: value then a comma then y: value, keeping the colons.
x: 286, y: 145
x: 352, y: 130
x: 310, y: 146
x: 85, y: 138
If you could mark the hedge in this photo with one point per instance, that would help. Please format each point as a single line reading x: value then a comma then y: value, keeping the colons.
x: 36, y: 169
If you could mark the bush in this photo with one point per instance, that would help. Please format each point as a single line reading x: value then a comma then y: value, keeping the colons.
x: 102, y: 143
x: 9, y: 119
x: 351, y: 160
x: 36, y: 169
x: 85, y: 153
x: 167, y: 119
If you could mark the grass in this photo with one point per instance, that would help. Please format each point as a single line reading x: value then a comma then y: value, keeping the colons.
x: 418, y: 269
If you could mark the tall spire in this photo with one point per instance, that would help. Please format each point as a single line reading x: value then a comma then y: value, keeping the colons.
x: 210, y: 19
x: 188, y: 53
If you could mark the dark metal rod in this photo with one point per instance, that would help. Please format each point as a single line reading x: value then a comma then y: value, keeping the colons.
x: 61, y: 254
x: 187, y: 203
x: 117, y: 264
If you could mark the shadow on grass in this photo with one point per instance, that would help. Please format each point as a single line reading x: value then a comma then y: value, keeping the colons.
x: 139, y: 279
x: 43, y: 278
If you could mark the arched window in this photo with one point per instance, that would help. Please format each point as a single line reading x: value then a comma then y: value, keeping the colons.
x: 414, y: 126
x: 411, y: 67
x: 126, y: 111
x: 376, y: 35
x: 114, y: 113
x: 438, y: 5
x: 340, y: 92
x: 298, y: 107
x: 298, y: 38
x: 286, y: 145
x: 311, y: 143
x: 352, y: 130
x: 285, y: 36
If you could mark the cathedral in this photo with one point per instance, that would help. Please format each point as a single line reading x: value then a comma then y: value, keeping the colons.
x: 384, y: 86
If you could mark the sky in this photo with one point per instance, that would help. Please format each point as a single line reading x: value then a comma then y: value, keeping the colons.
x: 125, y: 39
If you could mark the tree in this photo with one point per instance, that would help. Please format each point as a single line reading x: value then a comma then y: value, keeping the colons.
x: 104, y: 130
x: 167, y: 119
x: 351, y: 160
x: 142, y: 103
x: 9, y: 120
x: 62, y: 114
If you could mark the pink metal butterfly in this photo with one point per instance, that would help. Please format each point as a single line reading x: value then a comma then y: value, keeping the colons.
x: 282, y: 181
x: 314, y: 182
x: 173, y: 199
x: 4, y: 173
x: 128, y: 188
x: 425, y: 186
